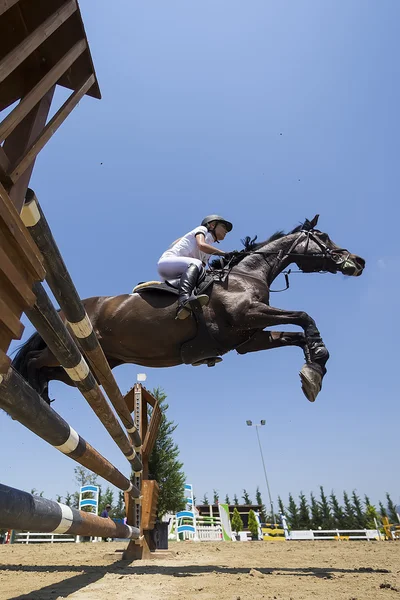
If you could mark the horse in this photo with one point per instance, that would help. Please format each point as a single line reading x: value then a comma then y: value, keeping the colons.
x: 141, y: 327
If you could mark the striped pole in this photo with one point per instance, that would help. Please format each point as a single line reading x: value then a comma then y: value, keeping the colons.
x: 25, y: 405
x: 22, y: 511
x: 61, y: 285
x: 48, y: 323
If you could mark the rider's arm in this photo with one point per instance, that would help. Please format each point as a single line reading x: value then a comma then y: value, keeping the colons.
x: 207, y: 248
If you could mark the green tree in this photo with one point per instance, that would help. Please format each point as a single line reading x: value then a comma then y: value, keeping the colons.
x: 304, y: 513
x: 293, y: 514
x: 106, y: 499
x: 281, y: 506
x: 58, y: 498
x: 215, y: 497
x: 253, y: 525
x: 246, y: 498
x: 205, y: 499
x: 119, y: 510
x: 358, y: 511
x: 68, y: 499
x: 235, y: 500
x: 392, y: 513
x: 350, y: 519
x: 338, y: 515
x: 35, y: 492
x: 164, y: 464
x: 227, y: 501
x: 236, y: 521
x: 371, y: 515
x: 316, y: 518
x: 326, y: 516
x: 263, y: 511
x: 382, y: 510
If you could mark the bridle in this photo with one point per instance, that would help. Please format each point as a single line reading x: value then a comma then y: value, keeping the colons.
x: 309, y: 235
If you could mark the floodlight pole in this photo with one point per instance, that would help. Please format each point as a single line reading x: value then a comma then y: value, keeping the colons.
x: 250, y: 424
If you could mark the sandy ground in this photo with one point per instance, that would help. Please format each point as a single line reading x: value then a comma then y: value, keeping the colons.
x: 226, y: 571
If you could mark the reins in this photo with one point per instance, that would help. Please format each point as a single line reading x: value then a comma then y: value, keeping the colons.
x: 326, y: 253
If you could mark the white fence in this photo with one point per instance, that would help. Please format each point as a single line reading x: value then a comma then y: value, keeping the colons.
x: 209, y: 533
x: 334, y: 534
x: 37, y: 538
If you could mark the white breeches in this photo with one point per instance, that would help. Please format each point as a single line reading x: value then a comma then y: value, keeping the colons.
x: 171, y: 267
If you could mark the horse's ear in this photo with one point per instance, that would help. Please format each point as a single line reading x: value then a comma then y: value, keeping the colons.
x: 307, y: 225
x: 314, y: 222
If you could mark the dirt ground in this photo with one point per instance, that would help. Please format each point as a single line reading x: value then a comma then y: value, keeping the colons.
x: 226, y: 571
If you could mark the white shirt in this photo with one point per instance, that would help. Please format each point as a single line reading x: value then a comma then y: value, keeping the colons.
x: 187, y: 245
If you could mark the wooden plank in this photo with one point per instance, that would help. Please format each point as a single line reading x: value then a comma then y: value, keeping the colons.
x: 152, y: 432
x: 10, y: 321
x: 16, y: 280
x: 35, y: 39
x: 6, y: 4
x: 20, y: 139
x: 11, y: 221
x: 5, y: 362
x: 150, y: 491
x: 51, y: 128
x: 4, y: 167
x: 40, y: 89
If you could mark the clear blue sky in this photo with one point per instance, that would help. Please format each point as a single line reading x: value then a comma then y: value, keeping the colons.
x: 266, y: 112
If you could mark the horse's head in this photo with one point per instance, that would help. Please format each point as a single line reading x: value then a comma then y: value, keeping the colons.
x: 315, y: 251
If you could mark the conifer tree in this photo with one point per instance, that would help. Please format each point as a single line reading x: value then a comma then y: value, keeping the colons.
x: 164, y: 464
x: 293, y: 513
x: 304, y: 513
x: 359, y: 513
x: 281, y: 506
x: 371, y: 515
x: 326, y: 515
x: 205, y: 499
x: 392, y: 513
x: 252, y: 524
x: 382, y: 510
x: 215, y: 497
x: 350, y: 519
x: 236, y: 521
x: 246, y: 498
x: 235, y: 500
x: 227, y: 501
x: 338, y: 515
x: 316, y: 519
x: 263, y: 511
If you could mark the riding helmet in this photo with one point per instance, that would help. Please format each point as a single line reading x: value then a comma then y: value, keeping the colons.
x: 211, y: 218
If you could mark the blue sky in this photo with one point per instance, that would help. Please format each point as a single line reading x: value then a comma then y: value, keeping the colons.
x: 266, y: 112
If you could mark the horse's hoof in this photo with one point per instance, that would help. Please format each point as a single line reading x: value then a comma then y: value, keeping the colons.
x: 311, y: 382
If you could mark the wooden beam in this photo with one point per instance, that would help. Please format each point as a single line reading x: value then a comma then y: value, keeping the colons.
x: 4, y: 167
x: 40, y: 89
x: 12, y: 227
x: 20, y: 139
x: 35, y: 39
x: 6, y: 4
x: 50, y: 129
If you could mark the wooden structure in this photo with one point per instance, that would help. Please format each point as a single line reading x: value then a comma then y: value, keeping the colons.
x: 42, y: 44
x: 138, y: 400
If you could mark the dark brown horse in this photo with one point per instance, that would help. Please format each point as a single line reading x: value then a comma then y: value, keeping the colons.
x: 141, y: 328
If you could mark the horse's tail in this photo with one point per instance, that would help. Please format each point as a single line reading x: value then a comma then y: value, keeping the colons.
x: 20, y: 361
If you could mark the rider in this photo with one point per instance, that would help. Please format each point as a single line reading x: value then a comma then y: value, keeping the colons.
x: 186, y: 257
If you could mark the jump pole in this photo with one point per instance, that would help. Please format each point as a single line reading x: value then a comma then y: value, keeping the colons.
x: 25, y: 405
x: 61, y: 285
x: 48, y: 323
x: 22, y: 511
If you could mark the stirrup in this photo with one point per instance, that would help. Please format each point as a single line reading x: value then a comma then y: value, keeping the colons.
x: 203, y: 299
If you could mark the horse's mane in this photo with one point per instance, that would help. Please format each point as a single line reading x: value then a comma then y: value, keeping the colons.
x: 250, y: 245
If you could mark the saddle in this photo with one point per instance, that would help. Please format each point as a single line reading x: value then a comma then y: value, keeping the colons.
x: 203, y: 348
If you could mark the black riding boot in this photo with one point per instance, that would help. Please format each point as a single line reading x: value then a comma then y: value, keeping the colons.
x: 186, y: 286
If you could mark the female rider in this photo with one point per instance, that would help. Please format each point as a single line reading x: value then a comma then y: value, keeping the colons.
x: 187, y: 256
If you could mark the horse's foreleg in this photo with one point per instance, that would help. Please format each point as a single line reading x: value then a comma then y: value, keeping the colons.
x: 267, y: 340
x: 260, y: 315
